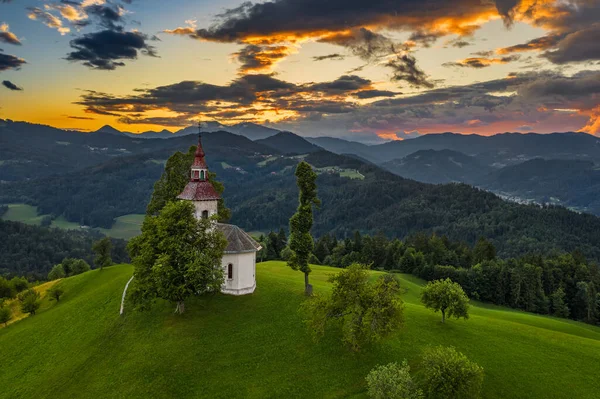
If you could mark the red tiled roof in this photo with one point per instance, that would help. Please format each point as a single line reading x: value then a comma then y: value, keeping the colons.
x: 199, y: 191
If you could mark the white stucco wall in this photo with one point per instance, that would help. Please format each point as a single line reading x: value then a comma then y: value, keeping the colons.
x: 201, y: 206
x: 244, y: 273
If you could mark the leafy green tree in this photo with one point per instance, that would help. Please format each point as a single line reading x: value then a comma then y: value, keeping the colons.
x: 78, y: 266
x: 102, y: 248
x: 392, y: 381
x: 176, y: 257
x: 30, y: 301
x: 57, y: 272
x: 366, y: 312
x: 484, y: 250
x: 447, y: 374
x: 301, y: 242
x: 557, y: 302
x: 55, y: 293
x: 587, y: 294
x: 19, y: 284
x: 5, y: 315
x: 174, y: 179
x: 6, y: 289
x: 446, y: 297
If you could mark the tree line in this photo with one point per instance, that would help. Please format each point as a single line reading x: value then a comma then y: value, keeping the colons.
x: 559, y: 284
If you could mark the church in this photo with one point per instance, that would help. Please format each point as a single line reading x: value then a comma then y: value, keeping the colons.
x: 239, y: 259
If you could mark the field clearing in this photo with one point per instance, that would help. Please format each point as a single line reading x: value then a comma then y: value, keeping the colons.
x: 125, y: 227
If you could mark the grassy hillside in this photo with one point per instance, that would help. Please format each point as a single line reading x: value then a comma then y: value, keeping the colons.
x: 256, y: 346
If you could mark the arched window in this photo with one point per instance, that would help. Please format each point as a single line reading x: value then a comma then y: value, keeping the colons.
x: 201, y: 175
x: 204, y: 214
x: 195, y: 174
x: 230, y: 271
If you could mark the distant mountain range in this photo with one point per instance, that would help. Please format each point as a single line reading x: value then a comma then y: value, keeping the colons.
x: 93, y: 178
x: 252, y: 131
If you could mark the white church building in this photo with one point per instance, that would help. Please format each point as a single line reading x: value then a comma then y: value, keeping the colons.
x: 239, y: 259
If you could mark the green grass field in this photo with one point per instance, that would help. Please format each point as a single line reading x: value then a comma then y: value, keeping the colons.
x: 125, y: 227
x: 257, y: 346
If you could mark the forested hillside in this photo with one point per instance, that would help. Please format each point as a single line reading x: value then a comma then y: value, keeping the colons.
x: 31, y: 251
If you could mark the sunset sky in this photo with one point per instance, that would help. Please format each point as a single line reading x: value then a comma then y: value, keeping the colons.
x: 356, y: 69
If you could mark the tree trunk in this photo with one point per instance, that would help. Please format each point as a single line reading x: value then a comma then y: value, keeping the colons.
x: 307, y: 286
x: 443, y: 316
x: 180, y: 307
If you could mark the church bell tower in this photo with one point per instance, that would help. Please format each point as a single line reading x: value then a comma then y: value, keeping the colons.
x: 199, y: 189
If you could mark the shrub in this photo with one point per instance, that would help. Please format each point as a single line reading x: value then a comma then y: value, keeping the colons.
x: 450, y: 374
x: 392, y: 381
x: 55, y: 293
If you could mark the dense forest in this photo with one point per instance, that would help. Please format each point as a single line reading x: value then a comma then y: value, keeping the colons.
x: 559, y: 284
x: 261, y: 192
x: 32, y: 251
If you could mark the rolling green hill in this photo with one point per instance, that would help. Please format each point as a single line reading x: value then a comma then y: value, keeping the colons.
x: 256, y: 346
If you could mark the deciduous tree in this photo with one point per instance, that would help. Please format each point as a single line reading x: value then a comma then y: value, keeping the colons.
x: 57, y: 272
x: 55, y: 293
x: 446, y: 297
x: 301, y: 241
x: 5, y: 315
x: 392, y: 381
x: 176, y: 256
x: 30, y: 301
x: 102, y: 249
x: 447, y: 373
x: 366, y: 312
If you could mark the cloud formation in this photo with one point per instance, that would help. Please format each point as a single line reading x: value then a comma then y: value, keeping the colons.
x: 106, y: 49
x: 8, y: 61
x: 11, y: 86
x: 6, y: 36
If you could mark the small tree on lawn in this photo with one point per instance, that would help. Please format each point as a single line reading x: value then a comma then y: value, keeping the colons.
x: 447, y: 373
x: 5, y: 315
x: 446, y: 297
x: 176, y: 256
x: 55, y: 293
x: 366, y: 312
x: 30, y: 301
x: 103, y: 248
x: 392, y: 381
x: 301, y: 242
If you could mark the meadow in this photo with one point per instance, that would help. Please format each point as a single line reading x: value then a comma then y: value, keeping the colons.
x: 125, y: 227
x: 257, y: 346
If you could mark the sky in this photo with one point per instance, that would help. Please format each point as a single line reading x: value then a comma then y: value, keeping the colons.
x: 361, y: 70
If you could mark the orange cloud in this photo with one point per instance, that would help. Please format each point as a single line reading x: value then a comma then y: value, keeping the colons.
x: 593, y: 126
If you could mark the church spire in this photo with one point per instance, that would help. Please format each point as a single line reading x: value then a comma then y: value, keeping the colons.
x: 199, y: 161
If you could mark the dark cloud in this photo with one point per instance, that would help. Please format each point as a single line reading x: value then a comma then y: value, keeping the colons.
x: 84, y: 118
x: 8, y: 61
x: 363, y: 43
x: 540, y: 43
x: 425, y: 38
x: 343, y: 84
x: 365, y: 94
x: 335, y: 56
x: 310, y: 17
x: 506, y: 8
x: 580, y: 46
x: 11, y: 86
x: 260, y: 58
x: 106, y: 49
x: 109, y: 16
x: 405, y: 70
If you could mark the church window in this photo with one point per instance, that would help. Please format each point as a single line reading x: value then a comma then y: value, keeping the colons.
x: 204, y: 214
x: 230, y: 271
x: 202, y: 175
x: 195, y: 174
